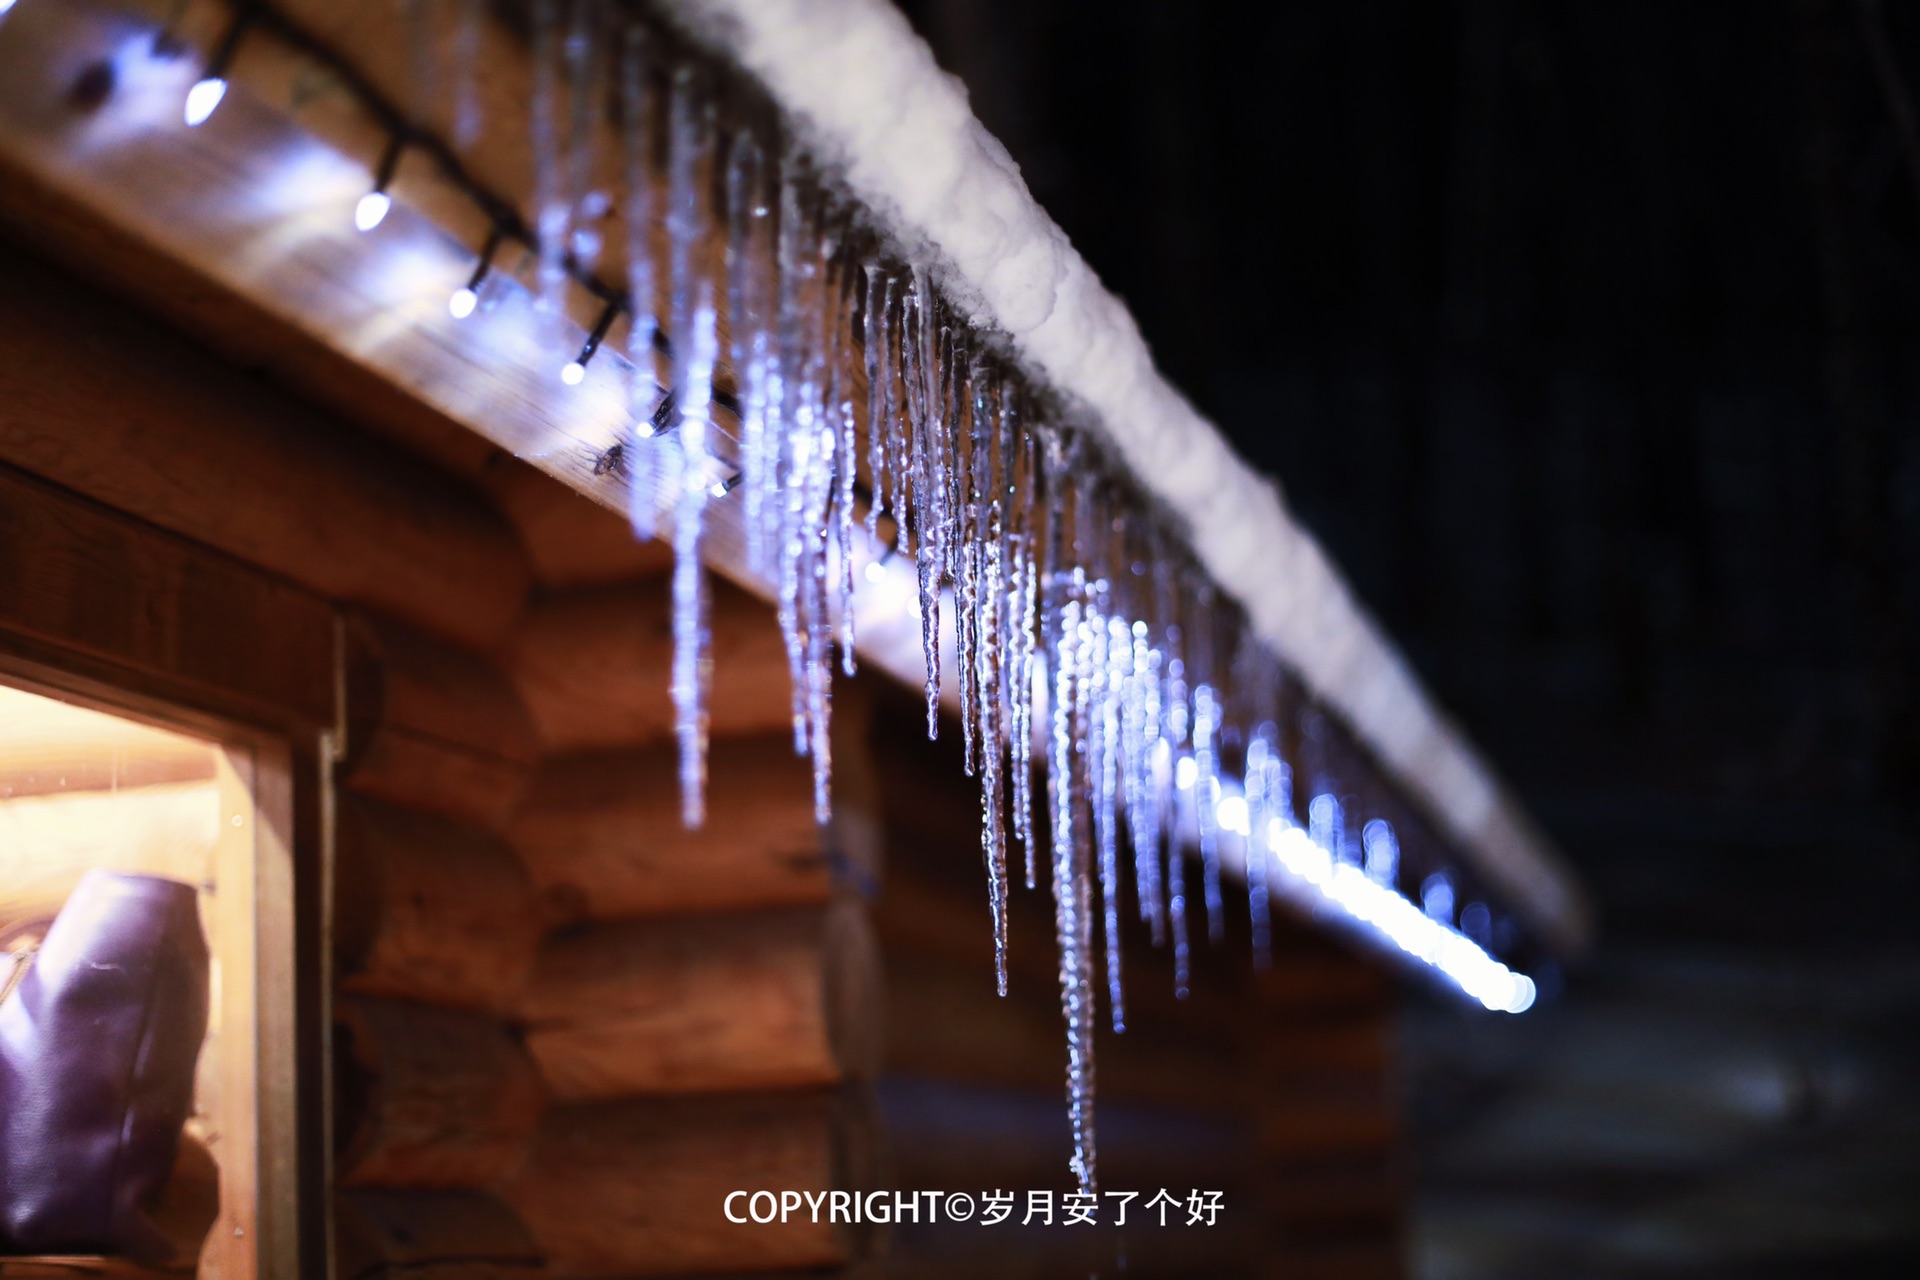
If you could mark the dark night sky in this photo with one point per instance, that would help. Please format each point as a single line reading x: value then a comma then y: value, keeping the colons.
x: 1587, y: 337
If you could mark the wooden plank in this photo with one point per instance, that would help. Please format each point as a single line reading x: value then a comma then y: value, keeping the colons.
x: 82, y: 578
x: 707, y: 1004
x: 52, y: 747
x: 429, y: 1097
x: 48, y: 842
x: 945, y: 1020
x: 172, y: 435
x: 432, y: 726
x: 601, y: 834
x: 638, y: 1188
x: 428, y: 910
x: 571, y: 540
x: 592, y: 665
x: 245, y: 1100
x: 430, y: 1235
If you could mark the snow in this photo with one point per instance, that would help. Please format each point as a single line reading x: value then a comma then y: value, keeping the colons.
x: 870, y: 103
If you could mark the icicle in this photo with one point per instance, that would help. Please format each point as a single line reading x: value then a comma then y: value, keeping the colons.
x: 809, y: 446
x: 899, y: 406
x: 1142, y: 735
x: 799, y: 272
x: 928, y: 456
x: 467, y: 115
x: 1072, y: 898
x: 1262, y: 788
x: 692, y: 667
x: 1206, y: 795
x: 693, y: 328
x: 846, y: 470
x: 749, y: 263
x: 636, y: 111
x: 815, y: 533
x: 1063, y: 613
x: 992, y: 823
x: 772, y: 289
x: 1203, y: 671
x: 550, y: 213
x: 876, y: 347
x: 1090, y: 722
x: 1024, y: 608
x: 1382, y: 852
x: 1116, y: 647
x: 1326, y: 816
x: 1174, y: 769
x: 963, y: 560
x: 585, y: 206
x: 1146, y: 784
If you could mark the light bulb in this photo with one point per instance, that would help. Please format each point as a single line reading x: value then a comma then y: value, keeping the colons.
x: 462, y: 303
x: 646, y: 430
x: 876, y: 572
x: 201, y: 99
x: 371, y: 210
x: 718, y: 489
x: 574, y: 374
x: 5, y: 5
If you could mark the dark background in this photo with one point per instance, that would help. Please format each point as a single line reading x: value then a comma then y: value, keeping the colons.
x: 1587, y: 338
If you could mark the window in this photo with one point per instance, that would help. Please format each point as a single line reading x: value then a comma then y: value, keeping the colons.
x: 175, y: 830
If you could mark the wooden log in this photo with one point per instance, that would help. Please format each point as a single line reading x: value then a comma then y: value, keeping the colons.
x: 1352, y: 1045
x: 429, y: 910
x: 430, y: 1235
x: 571, y: 540
x: 944, y: 1020
x: 1330, y: 1111
x: 175, y: 436
x: 639, y: 1188
x: 1361, y: 1185
x: 601, y: 835
x: 432, y: 726
x: 123, y: 602
x: 429, y: 1097
x: 83, y: 1268
x: 48, y: 746
x: 592, y: 665
x: 707, y: 1004
x: 48, y: 842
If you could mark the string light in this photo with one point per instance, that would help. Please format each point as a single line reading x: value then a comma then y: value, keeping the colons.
x: 575, y: 370
x: 208, y: 91
x: 1365, y: 897
x: 373, y: 206
x: 371, y: 210
x: 467, y: 296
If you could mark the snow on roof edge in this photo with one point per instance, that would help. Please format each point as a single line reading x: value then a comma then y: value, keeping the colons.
x: 870, y: 101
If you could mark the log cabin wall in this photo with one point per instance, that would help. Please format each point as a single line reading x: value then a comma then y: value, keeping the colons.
x: 563, y: 1028
x: 703, y: 1007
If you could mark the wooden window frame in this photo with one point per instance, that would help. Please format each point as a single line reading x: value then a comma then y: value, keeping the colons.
x: 257, y: 1232
x: 103, y: 610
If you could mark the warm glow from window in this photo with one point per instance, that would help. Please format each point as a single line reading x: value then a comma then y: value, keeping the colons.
x: 82, y: 791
